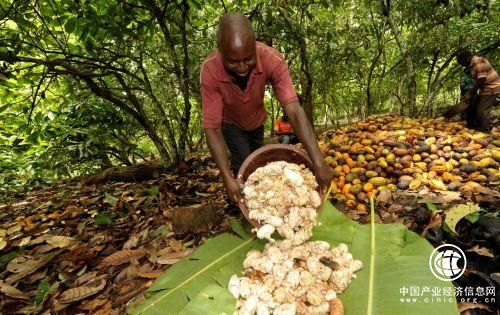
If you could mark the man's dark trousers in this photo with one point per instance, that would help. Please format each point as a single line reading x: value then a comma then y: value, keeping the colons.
x: 241, y: 143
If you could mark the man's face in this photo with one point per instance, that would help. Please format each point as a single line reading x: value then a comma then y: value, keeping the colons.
x: 239, y: 55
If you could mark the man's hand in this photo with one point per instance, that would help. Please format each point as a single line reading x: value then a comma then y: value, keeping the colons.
x: 233, y: 189
x: 323, y: 175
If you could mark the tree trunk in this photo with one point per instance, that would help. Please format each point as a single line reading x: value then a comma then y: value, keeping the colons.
x: 412, y: 81
x: 306, y: 81
x: 184, y: 80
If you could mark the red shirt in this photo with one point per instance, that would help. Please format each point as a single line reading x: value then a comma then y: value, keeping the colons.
x: 224, y: 101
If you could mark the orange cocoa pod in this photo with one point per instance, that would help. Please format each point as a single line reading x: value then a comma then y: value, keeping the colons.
x: 368, y: 187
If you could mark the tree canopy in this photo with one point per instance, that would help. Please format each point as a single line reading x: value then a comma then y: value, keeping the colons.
x: 90, y: 84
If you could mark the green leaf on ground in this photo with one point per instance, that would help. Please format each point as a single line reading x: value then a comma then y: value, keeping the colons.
x: 162, y: 230
x: 111, y: 199
x: 102, y: 219
x: 394, y: 260
x: 43, y: 288
x: 238, y: 229
x: 5, y: 259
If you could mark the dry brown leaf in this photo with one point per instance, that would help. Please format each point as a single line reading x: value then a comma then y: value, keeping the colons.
x: 40, y: 239
x: 22, y: 266
x: 444, y: 197
x: 95, y: 303
x: 37, y: 276
x: 14, y: 229
x: 3, y: 244
x: 86, y: 277
x: 149, y: 274
x: 172, y: 258
x: 122, y: 257
x: 79, y: 293
x: 106, y: 309
x: 11, y: 291
x: 131, y: 242
x: 25, y: 241
x: 483, y: 251
x: 60, y: 241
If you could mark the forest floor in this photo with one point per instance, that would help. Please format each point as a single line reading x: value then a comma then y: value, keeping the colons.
x: 83, y: 247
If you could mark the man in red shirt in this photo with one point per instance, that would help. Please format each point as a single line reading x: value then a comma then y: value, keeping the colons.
x: 233, y: 80
x: 487, y: 81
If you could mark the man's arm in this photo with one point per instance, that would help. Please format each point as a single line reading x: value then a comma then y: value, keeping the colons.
x: 304, y: 131
x: 215, y: 142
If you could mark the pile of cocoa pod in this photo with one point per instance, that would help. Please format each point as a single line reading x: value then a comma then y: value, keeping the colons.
x: 393, y: 153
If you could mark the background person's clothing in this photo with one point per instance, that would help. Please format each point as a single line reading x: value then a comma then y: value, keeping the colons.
x: 288, y: 139
x: 224, y: 102
x: 241, y: 143
x: 484, y: 106
x: 466, y: 83
x: 284, y: 132
x: 471, y: 112
x: 282, y: 127
x: 481, y: 68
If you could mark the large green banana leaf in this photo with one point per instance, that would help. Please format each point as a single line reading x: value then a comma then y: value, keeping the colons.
x: 395, y: 266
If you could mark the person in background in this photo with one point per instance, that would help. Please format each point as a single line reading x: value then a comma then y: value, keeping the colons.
x: 466, y: 84
x: 284, y: 131
x: 232, y: 85
x: 487, y: 81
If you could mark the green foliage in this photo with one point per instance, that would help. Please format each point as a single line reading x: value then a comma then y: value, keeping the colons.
x: 103, y: 219
x: 43, y: 288
x: 393, y: 258
x: 90, y: 84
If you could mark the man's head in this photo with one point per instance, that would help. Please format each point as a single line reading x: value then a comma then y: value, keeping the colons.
x: 236, y: 41
x: 464, y: 58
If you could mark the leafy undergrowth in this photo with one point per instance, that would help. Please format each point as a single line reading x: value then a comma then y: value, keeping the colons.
x: 95, y: 248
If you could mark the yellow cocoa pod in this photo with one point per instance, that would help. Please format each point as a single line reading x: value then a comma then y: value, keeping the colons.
x: 415, y: 184
x: 463, y: 162
x: 496, y: 154
x: 485, y: 162
x: 454, y: 163
x: 357, y: 170
x: 421, y: 165
x: 378, y: 181
x: 430, y: 140
x: 390, y: 158
x: 366, y: 142
x: 437, y: 184
x: 369, y: 150
x: 382, y: 162
x: 416, y: 158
